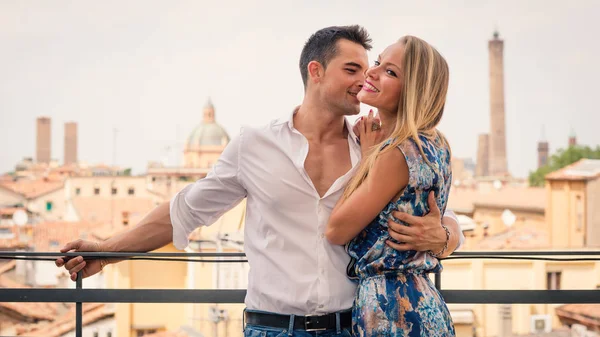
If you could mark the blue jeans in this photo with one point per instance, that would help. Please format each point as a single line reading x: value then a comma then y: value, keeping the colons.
x: 251, y: 330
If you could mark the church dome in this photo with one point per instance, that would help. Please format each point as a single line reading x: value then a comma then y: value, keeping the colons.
x: 208, y: 133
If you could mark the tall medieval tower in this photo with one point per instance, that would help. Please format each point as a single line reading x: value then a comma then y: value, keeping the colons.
x: 42, y: 141
x: 497, y: 139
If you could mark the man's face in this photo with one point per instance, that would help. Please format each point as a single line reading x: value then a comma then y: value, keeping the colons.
x: 344, y: 78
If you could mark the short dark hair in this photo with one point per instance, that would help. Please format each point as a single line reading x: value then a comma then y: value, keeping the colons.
x: 321, y: 46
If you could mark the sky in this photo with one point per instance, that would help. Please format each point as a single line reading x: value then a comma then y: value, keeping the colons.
x: 146, y: 68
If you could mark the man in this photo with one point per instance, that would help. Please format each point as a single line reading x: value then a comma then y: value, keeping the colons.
x: 292, y: 173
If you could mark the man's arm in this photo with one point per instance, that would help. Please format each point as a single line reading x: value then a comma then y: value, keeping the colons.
x: 451, y: 221
x: 153, y: 232
x: 426, y: 233
x: 201, y: 203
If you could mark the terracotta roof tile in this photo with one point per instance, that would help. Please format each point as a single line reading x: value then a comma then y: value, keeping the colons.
x: 29, y: 310
x: 32, y: 188
x: 51, y: 236
x: 92, y: 312
x: 5, y: 267
x: 13, y: 240
x: 516, y: 238
x: 6, y: 177
x: 584, y: 169
x: 585, y: 314
x: 10, y: 210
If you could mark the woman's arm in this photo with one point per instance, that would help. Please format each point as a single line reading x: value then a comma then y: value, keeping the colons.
x: 387, y: 177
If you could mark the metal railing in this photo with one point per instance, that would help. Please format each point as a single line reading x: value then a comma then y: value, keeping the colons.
x: 79, y: 295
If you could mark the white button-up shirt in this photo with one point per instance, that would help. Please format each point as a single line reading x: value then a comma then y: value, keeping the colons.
x: 293, y: 268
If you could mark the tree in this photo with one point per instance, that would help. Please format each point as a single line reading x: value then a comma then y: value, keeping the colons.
x: 561, y: 159
x: 127, y: 172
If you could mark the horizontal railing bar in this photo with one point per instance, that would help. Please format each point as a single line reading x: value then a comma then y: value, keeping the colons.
x: 123, y: 295
x: 529, y: 253
x: 521, y: 296
x: 237, y: 296
x: 120, y: 254
x: 133, y: 254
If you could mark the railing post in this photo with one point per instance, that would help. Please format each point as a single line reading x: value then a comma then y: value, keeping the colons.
x: 438, y: 281
x: 78, y: 307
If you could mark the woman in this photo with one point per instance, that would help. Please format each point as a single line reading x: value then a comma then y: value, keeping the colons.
x: 395, y: 297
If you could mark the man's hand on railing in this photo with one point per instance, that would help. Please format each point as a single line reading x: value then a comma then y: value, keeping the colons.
x: 75, y: 264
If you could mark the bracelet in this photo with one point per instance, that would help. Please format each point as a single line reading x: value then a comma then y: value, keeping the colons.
x: 103, y: 262
x: 445, y: 244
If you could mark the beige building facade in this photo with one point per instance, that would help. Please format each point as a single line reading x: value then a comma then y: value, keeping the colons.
x: 514, y: 275
x: 573, y: 199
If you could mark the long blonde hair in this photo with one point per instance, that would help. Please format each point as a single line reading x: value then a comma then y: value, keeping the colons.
x: 421, y: 105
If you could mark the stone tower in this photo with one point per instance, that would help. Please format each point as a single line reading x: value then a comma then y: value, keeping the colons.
x: 483, y: 156
x: 497, y: 139
x: 43, y: 136
x: 70, y: 143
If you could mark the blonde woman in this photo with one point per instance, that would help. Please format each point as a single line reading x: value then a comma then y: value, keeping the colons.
x: 395, y: 297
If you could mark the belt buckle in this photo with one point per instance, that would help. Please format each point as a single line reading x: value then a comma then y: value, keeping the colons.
x: 307, y: 322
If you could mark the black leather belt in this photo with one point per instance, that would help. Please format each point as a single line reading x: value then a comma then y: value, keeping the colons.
x: 307, y: 323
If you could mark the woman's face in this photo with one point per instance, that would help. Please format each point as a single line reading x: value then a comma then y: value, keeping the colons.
x: 385, y: 80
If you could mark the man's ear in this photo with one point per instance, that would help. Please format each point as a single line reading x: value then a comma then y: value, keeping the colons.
x: 315, y: 71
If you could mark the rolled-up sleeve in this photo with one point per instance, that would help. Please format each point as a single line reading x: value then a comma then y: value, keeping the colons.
x: 205, y: 201
x: 461, y: 237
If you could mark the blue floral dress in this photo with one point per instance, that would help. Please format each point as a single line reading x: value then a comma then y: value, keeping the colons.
x: 395, y: 296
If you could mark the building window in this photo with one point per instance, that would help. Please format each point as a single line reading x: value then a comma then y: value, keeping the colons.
x: 6, y: 233
x: 143, y: 332
x: 109, y: 334
x: 114, y: 191
x: 96, y: 334
x: 125, y: 216
x: 48, y: 206
x: 96, y: 191
x: 131, y: 191
x: 553, y: 280
x: 77, y: 191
